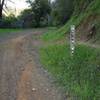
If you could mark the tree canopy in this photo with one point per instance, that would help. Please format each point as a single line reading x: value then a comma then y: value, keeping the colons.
x: 41, y: 10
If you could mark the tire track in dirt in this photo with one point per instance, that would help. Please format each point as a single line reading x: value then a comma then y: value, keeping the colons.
x: 10, y: 65
x: 24, y: 89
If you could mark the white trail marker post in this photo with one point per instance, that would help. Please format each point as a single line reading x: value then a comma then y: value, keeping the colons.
x: 72, y: 39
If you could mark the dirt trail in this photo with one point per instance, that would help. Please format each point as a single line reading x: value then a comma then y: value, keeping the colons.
x: 21, y: 74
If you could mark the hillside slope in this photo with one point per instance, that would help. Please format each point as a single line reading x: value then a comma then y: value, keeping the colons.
x: 83, y: 18
x: 84, y: 21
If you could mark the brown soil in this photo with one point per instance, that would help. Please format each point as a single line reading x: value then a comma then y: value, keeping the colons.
x: 85, y: 26
x: 21, y: 74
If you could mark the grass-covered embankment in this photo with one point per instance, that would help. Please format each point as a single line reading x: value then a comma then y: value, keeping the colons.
x: 79, y: 74
x: 83, y: 21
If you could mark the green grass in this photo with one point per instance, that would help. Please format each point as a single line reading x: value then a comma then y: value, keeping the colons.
x: 79, y: 74
x: 63, y: 31
x: 4, y: 32
x: 49, y: 35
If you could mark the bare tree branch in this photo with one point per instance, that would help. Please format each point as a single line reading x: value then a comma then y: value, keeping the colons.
x: 6, y: 6
x: 2, y: 3
x: 5, y: 11
x: 11, y: 1
x: 3, y: 6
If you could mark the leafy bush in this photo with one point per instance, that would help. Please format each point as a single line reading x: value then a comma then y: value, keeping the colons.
x: 61, y: 11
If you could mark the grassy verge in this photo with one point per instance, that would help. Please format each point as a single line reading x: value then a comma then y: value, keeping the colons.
x: 49, y: 35
x: 78, y: 74
x: 4, y: 32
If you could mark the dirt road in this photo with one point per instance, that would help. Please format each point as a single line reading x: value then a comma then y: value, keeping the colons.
x: 21, y: 74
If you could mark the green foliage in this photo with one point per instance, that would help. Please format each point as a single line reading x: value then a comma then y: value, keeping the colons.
x: 8, y: 22
x: 61, y: 11
x: 27, y: 18
x: 55, y: 17
x: 93, y: 9
x: 81, y: 5
x: 41, y: 10
x: 78, y: 74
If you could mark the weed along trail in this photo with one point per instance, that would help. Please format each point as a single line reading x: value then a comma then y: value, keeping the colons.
x: 21, y: 74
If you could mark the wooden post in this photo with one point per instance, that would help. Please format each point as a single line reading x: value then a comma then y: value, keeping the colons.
x: 72, y: 39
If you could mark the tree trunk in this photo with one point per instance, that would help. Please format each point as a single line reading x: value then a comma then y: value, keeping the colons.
x: 1, y: 8
x: 0, y: 12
